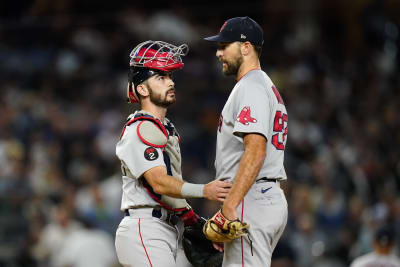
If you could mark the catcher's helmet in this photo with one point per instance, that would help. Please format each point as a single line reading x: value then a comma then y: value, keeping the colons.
x: 150, y: 58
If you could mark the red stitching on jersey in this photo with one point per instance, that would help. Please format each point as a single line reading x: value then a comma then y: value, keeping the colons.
x: 145, y: 141
x: 145, y: 250
x: 241, y: 239
x: 278, y: 95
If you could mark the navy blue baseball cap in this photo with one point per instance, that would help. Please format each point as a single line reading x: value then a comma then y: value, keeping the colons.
x: 240, y: 29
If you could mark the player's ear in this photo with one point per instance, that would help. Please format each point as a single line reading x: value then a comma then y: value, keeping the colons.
x: 142, y: 90
x: 245, y: 48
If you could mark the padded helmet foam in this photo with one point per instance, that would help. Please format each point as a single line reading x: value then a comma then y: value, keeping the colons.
x: 150, y: 58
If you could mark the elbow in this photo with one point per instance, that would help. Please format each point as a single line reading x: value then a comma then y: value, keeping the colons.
x: 156, y: 185
x: 262, y: 157
x: 158, y: 189
x: 156, y: 178
x: 256, y: 156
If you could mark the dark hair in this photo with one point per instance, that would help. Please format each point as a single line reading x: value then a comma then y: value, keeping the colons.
x: 385, y: 235
x: 139, y: 75
x: 258, y: 50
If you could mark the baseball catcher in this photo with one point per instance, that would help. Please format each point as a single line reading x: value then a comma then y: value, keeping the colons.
x: 154, y: 191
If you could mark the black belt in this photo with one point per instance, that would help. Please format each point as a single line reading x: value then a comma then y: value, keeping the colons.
x: 265, y: 179
x: 156, y: 213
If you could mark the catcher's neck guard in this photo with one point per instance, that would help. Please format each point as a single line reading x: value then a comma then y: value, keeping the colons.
x: 150, y: 58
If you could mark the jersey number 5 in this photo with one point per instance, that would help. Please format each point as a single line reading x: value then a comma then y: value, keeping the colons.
x: 281, y: 129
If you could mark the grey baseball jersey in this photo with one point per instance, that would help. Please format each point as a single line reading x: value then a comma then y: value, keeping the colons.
x: 147, y: 236
x: 255, y: 106
x: 374, y: 260
x: 138, y: 156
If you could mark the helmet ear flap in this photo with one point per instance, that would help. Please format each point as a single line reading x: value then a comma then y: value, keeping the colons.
x: 132, y: 95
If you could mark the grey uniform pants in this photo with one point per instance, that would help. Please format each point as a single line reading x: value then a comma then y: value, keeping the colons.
x: 265, y: 209
x: 143, y: 240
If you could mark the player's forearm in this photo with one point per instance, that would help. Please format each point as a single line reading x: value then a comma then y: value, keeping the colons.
x: 168, y: 185
x: 173, y: 187
x: 164, y: 184
x: 249, y: 167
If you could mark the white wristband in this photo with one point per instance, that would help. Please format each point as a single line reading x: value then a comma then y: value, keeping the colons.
x: 192, y: 190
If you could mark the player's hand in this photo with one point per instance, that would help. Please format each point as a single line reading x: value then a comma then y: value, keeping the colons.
x: 219, y: 229
x: 217, y: 190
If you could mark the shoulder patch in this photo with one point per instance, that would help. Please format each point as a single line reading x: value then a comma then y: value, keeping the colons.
x: 150, y: 153
x: 150, y: 134
x: 245, y: 116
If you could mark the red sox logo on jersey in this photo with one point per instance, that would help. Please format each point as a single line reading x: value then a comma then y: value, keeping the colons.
x: 245, y: 116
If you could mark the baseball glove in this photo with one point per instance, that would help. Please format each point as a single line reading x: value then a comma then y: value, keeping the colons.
x: 220, y: 229
x: 198, y: 250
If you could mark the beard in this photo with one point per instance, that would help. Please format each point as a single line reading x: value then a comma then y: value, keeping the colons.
x: 232, y: 67
x: 162, y: 100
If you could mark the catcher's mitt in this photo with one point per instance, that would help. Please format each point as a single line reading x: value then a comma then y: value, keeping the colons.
x: 198, y: 250
x: 220, y: 229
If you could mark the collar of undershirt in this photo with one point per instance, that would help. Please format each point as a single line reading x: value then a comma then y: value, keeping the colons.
x: 257, y: 68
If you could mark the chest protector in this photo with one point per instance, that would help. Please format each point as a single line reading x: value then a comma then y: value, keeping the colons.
x: 153, y: 132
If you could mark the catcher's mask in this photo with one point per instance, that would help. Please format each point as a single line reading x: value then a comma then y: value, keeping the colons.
x: 150, y: 58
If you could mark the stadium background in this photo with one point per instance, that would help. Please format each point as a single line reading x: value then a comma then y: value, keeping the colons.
x: 63, y: 71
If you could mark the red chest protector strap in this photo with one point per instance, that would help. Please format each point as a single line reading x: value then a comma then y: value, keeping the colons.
x: 145, y: 117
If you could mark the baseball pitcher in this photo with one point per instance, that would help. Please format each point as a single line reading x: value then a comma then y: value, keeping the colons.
x: 251, y: 139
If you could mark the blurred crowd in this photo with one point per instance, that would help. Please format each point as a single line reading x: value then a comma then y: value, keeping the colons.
x: 63, y: 74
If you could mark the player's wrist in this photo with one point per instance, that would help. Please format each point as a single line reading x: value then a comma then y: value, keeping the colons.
x: 229, y: 213
x: 190, y: 190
